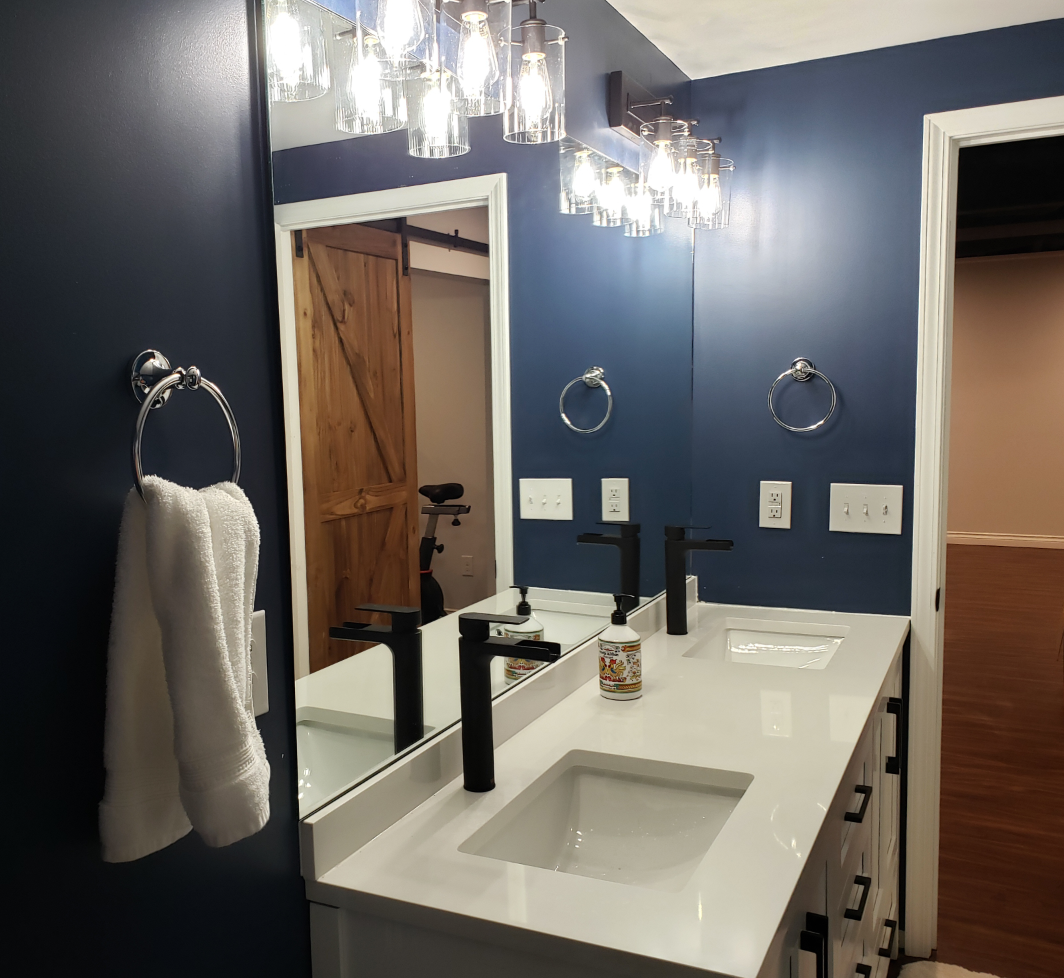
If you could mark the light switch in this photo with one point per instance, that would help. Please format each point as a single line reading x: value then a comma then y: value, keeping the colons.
x: 865, y: 509
x: 546, y: 499
x: 615, y: 501
x: 775, y: 508
x: 260, y: 685
x: 467, y: 565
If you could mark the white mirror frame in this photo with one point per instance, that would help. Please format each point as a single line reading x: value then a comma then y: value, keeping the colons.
x: 489, y: 191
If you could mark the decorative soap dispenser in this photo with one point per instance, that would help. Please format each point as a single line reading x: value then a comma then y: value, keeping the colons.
x: 620, y: 656
x: 531, y: 630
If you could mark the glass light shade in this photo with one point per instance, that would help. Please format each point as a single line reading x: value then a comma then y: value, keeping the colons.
x: 297, y: 65
x: 369, y: 96
x: 645, y: 213
x: 483, y: 58
x: 687, y: 181
x: 403, y: 27
x: 436, y: 129
x: 580, y: 177
x: 712, y: 209
x: 535, y: 96
x: 611, y: 200
x: 658, y: 155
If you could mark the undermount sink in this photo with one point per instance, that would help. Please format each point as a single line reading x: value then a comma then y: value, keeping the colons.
x: 791, y: 644
x: 626, y: 820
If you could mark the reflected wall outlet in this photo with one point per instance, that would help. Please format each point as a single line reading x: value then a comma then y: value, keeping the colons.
x: 260, y: 683
x: 865, y: 509
x: 775, y: 509
x: 615, y: 500
x: 467, y: 565
x: 546, y: 499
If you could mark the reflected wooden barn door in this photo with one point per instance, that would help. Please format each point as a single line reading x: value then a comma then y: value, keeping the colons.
x: 356, y: 407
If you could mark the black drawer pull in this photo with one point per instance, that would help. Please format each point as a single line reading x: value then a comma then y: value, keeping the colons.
x: 894, y: 705
x: 858, y: 816
x: 865, y: 883
x: 885, y: 952
x: 815, y: 940
x: 865, y: 969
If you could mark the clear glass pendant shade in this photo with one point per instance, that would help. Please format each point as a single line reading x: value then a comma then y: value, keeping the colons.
x: 369, y: 95
x: 687, y: 180
x: 402, y: 26
x: 535, y: 98
x: 645, y: 212
x: 611, y: 200
x: 712, y: 209
x: 436, y: 129
x: 297, y: 64
x: 580, y: 177
x: 483, y: 56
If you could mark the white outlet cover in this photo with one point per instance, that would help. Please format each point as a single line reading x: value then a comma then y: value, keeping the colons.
x: 260, y: 684
x: 546, y: 499
x: 615, y: 501
x: 774, y: 511
x: 856, y: 508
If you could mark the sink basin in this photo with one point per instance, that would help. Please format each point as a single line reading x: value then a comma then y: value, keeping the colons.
x: 791, y: 644
x: 626, y: 820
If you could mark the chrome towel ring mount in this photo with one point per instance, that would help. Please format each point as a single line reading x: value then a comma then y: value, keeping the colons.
x: 153, y: 381
x: 802, y: 370
x: 592, y: 377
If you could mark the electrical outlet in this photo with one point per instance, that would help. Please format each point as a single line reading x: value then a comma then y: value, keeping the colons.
x: 615, y: 500
x: 546, y: 499
x: 260, y: 684
x: 467, y: 565
x: 865, y: 509
x: 774, y: 511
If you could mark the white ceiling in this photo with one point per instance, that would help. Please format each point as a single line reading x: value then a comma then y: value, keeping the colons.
x: 717, y: 37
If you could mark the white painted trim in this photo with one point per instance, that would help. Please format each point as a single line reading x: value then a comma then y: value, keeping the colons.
x: 489, y: 191
x: 945, y: 133
x: 1037, y: 540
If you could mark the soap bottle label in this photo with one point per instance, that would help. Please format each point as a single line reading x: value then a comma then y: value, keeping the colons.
x: 515, y: 669
x: 620, y: 669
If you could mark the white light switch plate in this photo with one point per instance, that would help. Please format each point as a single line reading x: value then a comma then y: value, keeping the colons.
x: 260, y: 684
x: 546, y: 499
x: 865, y: 509
x: 774, y: 511
x: 615, y: 501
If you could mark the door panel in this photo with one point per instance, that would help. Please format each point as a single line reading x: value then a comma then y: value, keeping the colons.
x: 356, y: 403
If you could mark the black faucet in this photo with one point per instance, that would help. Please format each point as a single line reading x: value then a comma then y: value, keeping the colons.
x: 628, y: 544
x: 676, y: 550
x: 476, y: 647
x: 403, y: 637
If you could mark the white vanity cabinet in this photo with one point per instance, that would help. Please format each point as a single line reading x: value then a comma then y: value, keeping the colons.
x: 842, y: 921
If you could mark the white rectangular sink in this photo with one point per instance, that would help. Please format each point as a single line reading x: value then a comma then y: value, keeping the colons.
x: 626, y: 820
x: 791, y: 644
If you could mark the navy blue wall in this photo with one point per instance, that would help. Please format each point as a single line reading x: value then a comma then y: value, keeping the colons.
x: 580, y: 295
x: 822, y: 260
x: 136, y: 214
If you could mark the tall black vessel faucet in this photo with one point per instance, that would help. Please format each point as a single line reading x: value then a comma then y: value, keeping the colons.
x: 628, y: 544
x: 677, y: 546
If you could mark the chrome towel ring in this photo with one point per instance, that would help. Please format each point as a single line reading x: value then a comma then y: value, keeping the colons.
x: 802, y: 370
x: 153, y: 381
x: 592, y: 377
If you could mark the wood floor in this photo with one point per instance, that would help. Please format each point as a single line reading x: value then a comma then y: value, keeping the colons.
x: 1001, y: 865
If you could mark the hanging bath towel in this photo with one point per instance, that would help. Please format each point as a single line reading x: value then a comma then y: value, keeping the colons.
x: 181, y: 746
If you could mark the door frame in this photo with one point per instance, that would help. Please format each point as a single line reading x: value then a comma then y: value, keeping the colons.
x: 489, y: 191
x: 945, y: 134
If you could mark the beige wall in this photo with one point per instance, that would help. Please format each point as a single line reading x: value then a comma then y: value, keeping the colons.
x: 452, y: 371
x: 1006, y: 463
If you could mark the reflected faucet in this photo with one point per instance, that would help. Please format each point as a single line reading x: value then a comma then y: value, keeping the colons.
x: 677, y: 546
x: 403, y: 637
x: 628, y: 544
x: 476, y: 647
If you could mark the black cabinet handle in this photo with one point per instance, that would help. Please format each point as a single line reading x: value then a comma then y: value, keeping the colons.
x: 885, y: 952
x: 815, y: 940
x: 894, y: 705
x: 865, y: 970
x: 865, y: 883
x: 858, y: 816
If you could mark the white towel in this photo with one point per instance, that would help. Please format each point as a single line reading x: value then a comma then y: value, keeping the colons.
x: 181, y: 746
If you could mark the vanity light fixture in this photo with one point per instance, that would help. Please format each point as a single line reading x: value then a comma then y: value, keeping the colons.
x: 436, y: 129
x: 483, y: 56
x: 535, y: 109
x: 297, y: 65
x: 712, y: 209
x: 402, y: 27
x: 611, y: 199
x: 647, y: 213
x: 579, y: 172
x: 368, y: 93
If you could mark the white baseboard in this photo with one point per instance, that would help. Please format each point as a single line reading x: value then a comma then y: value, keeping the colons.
x: 1006, y: 540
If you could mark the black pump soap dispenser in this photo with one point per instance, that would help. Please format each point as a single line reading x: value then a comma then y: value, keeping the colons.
x: 620, y: 655
x: 531, y: 631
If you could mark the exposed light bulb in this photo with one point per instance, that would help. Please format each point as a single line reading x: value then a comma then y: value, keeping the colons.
x: 478, y: 62
x: 436, y: 111
x: 685, y: 187
x: 402, y: 27
x: 533, y: 91
x: 713, y: 199
x: 660, y: 173
x: 611, y: 196
x: 285, y: 46
x: 585, y: 181
x: 640, y: 205
x: 365, y: 82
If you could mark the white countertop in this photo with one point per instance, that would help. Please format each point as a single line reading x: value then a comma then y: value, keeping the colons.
x: 793, y: 730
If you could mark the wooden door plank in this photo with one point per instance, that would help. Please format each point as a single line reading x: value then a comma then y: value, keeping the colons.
x: 363, y: 240
x: 368, y: 499
x: 406, y: 352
